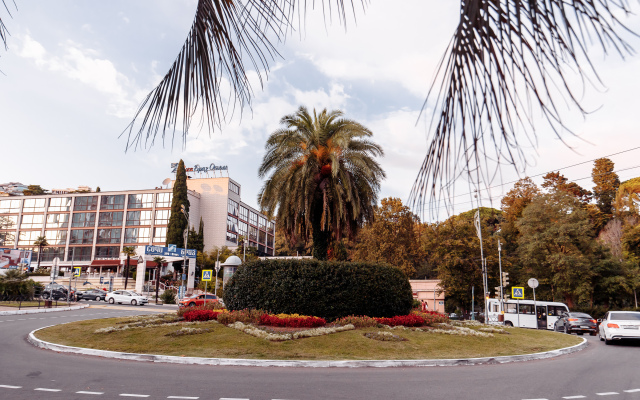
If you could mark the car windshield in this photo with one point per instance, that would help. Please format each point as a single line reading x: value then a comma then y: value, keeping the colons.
x: 135, y: 294
x: 580, y: 315
x: 625, y: 316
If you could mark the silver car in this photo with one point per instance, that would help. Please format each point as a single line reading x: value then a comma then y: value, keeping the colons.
x: 126, y: 297
x: 618, y: 325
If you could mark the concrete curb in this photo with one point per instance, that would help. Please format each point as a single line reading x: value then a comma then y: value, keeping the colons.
x: 301, y: 363
x: 44, y: 310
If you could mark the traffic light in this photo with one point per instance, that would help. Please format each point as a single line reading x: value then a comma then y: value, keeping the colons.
x: 497, y: 288
x: 505, y: 279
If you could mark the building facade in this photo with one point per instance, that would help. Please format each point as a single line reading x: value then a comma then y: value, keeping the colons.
x: 91, y: 229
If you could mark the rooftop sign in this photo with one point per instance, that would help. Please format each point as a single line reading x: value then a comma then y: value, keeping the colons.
x: 200, y: 169
x: 168, y: 251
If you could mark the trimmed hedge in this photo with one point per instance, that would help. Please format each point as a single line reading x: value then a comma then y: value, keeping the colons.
x: 325, y: 289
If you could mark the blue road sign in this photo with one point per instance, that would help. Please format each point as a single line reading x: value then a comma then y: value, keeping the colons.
x: 517, y: 293
x: 101, y: 280
x: 206, y: 274
x: 172, y: 248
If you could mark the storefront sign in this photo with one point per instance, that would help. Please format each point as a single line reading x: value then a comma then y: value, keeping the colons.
x: 165, y: 251
x: 200, y: 169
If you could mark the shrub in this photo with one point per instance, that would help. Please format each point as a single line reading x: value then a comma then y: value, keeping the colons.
x: 201, y: 315
x: 292, y: 321
x: 245, y: 316
x: 216, y: 306
x: 404, y: 320
x: 360, y: 321
x: 431, y: 317
x: 325, y: 289
x: 168, y: 297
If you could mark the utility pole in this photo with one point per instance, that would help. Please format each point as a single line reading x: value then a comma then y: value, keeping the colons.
x: 501, y: 280
x: 483, y: 262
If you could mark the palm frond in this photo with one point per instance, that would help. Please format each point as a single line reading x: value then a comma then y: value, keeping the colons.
x: 4, y: 32
x: 508, y: 63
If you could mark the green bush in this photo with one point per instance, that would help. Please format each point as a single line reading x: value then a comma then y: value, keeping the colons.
x: 168, y: 296
x: 324, y: 289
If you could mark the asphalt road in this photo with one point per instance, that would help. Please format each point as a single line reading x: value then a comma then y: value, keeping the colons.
x: 598, y: 372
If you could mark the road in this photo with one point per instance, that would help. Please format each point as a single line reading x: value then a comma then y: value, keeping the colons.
x: 599, y: 371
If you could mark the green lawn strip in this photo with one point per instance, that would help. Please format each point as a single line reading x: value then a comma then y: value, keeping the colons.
x: 224, y: 342
x: 28, y: 304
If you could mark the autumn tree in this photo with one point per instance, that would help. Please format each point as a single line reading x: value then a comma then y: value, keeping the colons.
x: 606, y: 184
x: 391, y: 237
x: 34, y: 190
x: 556, y: 182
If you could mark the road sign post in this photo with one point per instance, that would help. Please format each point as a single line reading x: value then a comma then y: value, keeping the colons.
x: 206, y: 277
x: 533, y: 284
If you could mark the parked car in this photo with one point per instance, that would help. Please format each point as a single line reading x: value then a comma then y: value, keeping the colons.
x: 198, y: 300
x: 55, y: 294
x: 575, y: 322
x: 92, y: 294
x: 617, y: 325
x: 126, y: 297
x: 61, y: 288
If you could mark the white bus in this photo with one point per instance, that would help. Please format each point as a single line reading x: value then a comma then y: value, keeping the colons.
x: 520, y: 313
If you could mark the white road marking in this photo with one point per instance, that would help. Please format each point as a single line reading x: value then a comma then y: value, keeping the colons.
x: 607, y: 393
x: 183, y: 397
x: 8, y: 320
x: 632, y: 391
x: 574, y: 397
x: 10, y: 387
x: 84, y: 392
x: 47, y: 390
x: 233, y: 398
x: 133, y: 395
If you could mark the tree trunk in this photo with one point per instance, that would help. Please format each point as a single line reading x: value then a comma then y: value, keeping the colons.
x: 126, y: 276
x: 320, y: 238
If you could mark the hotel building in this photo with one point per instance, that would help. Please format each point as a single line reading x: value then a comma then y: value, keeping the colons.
x: 92, y: 228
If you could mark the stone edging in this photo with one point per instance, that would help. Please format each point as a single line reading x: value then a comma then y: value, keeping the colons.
x: 44, y: 310
x: 300, y: 363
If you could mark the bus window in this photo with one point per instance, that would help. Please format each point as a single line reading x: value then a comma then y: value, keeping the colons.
x: 495, y: 307
x: 556, y: 310
x: 510, y: 308
x: 526, y: 309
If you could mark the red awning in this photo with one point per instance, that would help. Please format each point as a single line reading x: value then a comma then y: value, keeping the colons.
x: 105, y: 263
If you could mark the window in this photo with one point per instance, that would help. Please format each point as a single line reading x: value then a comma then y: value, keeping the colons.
x: 262, y: 237
x: 57, y: 220
x: 262, y: 223
x: 138, y: 218
x: 86, y: 203
x: 112, y: 218
x: 60, y: 204
x: 28, y: 237
x: 261, y: 249
x: 34, y: 205
x: 10, y: 206
x: 253, y: 233
x: 83, y: 220
x: 242, y: 228
x: 81, y: 236
x: 56, y: 237
x: 253, y: 218
x: 107, y: 252
x: 160, y: 235
x: 112, y: 202
x: 32, y: 221
x: 80, y: 253
x: 49, y: 253
x: 164, y: 199
x: 144, y: 200
x: 270, y: 240
x: 7, y: 239
x: 162, y: 217
x: 272, y: 227
x: 232, y: 237
x: 8, y: 221
x: 137, y: 235
x: 232, y: 208
x: 556, y: 310
x: 109, y: 236
x: 234, y: 188
x: 232, y: 224
x: 510, y: 308
x: 526, y: 309
x: 244, y: 213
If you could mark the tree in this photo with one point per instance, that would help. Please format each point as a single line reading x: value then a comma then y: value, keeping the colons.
x: 98, y: 189
x: 516, y: 199
x: 627, y: 198
x: 606, y: 184
x: 556, y: 247
x: 159, y: 260
x: 129, y: 251
x: 556, y: 182
x: 324, y: 179
x: 196, y: 239
x: 391, y: 237
x: 34, y: 190
x: 40, y: 243
x: 177, y: 221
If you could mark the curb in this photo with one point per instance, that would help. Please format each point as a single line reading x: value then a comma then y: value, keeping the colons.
x: 300, y: 363
x: 44, y: 310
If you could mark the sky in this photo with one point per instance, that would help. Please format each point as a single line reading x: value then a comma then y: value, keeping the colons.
x: 76, y: 71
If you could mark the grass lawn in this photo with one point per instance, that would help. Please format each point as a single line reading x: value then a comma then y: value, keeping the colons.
x: 29, y: 304
x: 225, y: 342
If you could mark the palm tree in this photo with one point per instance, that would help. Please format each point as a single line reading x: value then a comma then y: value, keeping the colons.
x: 40, y: 242
x: 129, y: 251
x: 159, y: 260
x: 324, y: 179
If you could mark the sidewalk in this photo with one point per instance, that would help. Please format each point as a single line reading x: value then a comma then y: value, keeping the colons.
x: 34, y: 310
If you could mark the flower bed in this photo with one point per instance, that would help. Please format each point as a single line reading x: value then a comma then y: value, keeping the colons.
x: 201, y: 315
x: 292, y: 321
x: 411, y: 320
x: 359, y: 321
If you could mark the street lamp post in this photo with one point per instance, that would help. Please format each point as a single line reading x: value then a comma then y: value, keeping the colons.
x: 483, y: 264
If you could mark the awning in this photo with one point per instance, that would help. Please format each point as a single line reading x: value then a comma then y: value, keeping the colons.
x: 105, y: 263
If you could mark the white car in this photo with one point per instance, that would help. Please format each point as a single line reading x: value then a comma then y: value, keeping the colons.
x: 126, y: 297
x: 618, y: 325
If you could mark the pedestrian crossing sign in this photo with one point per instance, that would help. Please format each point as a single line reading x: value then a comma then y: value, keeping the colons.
x: 76, y: 271
x: 517, y: 293
x: 206, y: 274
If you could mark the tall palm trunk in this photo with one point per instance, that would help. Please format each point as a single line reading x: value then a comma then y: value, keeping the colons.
x: 321, y: 237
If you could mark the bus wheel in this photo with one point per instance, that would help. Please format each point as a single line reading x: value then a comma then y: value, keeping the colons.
x: 508, y: 323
